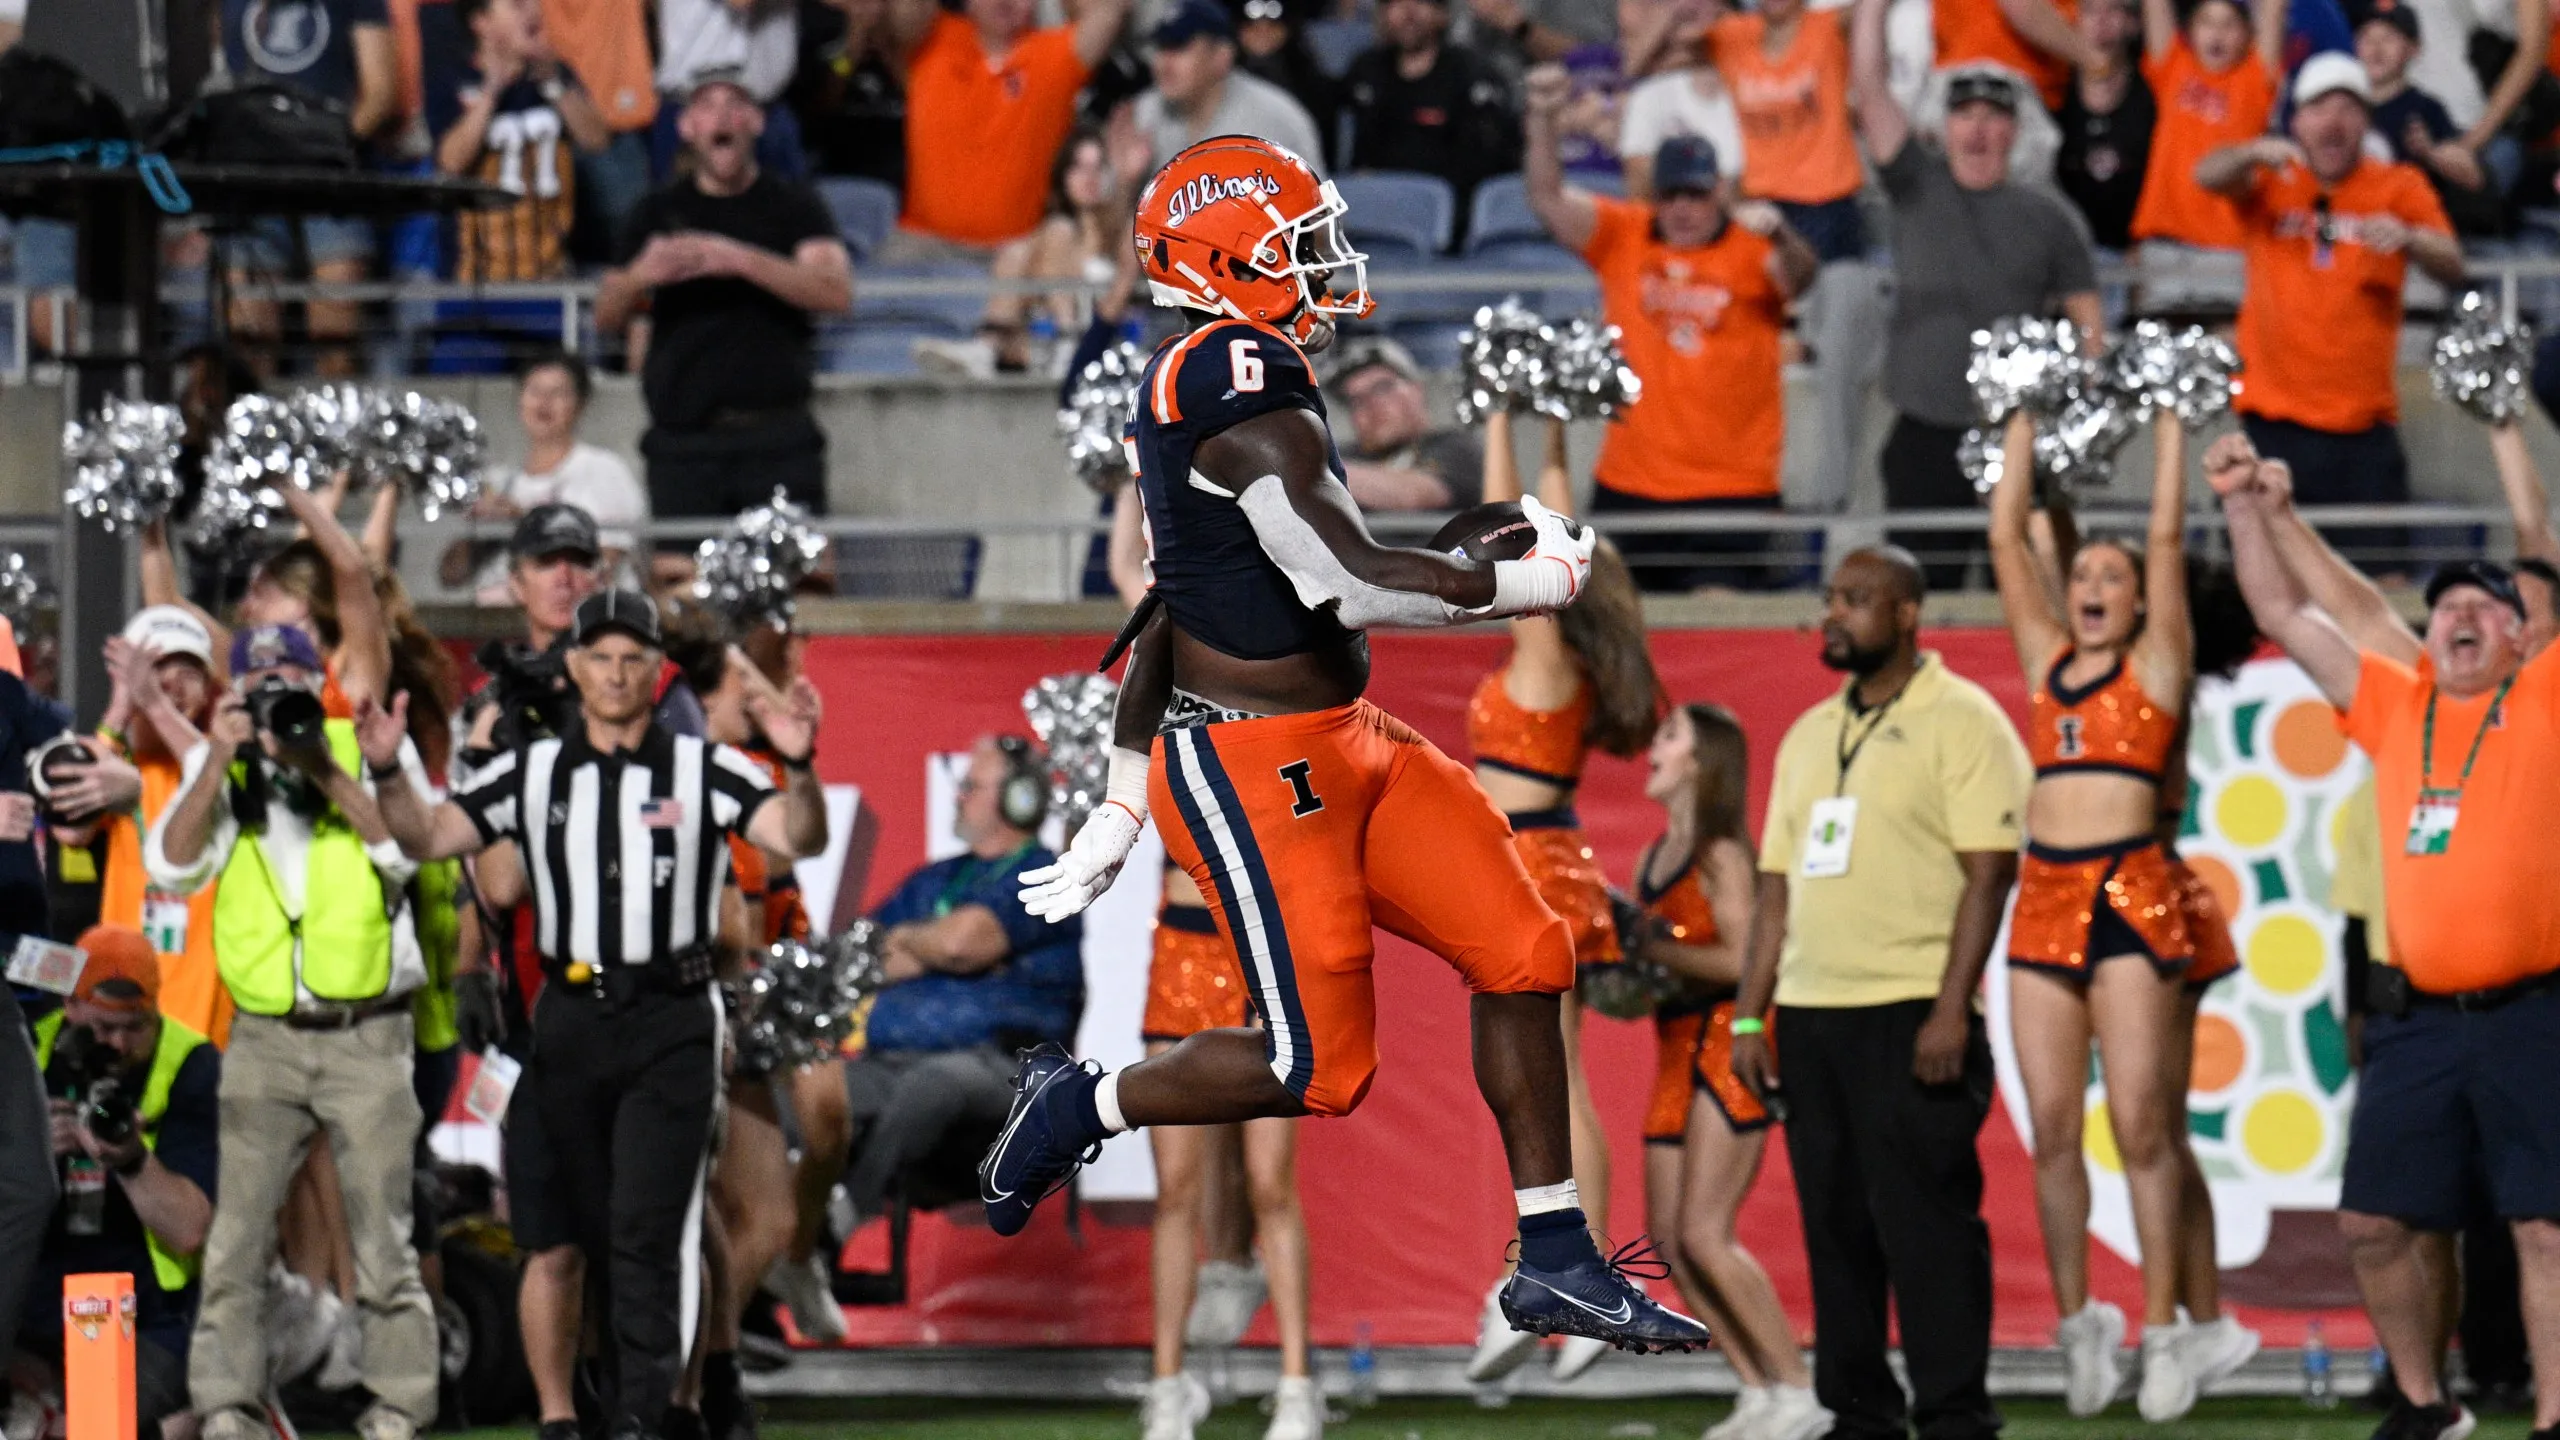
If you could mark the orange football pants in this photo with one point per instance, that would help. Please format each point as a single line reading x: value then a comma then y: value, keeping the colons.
x: 1306, y: 830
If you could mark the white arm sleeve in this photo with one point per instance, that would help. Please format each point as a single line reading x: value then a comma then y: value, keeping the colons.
x: 1320, y: 577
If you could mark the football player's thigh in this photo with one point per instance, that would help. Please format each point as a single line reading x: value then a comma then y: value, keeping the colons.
x: 1444, y: 874
x: 1276, y: 821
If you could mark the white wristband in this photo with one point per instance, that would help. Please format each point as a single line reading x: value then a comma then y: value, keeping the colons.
x: 1126, y: 786
x: 1522, y: 587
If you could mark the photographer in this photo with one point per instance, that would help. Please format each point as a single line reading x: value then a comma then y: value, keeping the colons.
x: 26, y: 1182
x: 312, y: 938
x: 134, y: 1122
x: 551, y: 568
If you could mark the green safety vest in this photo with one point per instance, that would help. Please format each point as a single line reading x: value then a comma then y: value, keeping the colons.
x: 174, y: 1272
x: 340, y: 949
x: 435, y: 906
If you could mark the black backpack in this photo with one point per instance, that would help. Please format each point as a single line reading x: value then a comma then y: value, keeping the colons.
x: 45, y: 102
x: 262, y: 124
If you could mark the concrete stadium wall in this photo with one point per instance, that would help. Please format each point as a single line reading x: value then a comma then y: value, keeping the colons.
x: 977, y: 452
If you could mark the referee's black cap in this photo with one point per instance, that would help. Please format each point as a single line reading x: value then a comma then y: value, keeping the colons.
x: 628, y: 611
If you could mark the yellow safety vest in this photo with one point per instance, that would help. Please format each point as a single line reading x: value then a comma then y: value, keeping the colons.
x: 174, y: 1272
x: 340, y: 949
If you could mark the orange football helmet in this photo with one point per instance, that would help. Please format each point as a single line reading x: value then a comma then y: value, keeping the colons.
x: 1239, y: 226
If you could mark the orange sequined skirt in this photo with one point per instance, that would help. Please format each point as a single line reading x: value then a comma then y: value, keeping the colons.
x: 2207, y: 928
x: 1713, y: 1070
x: 2077, y: 907
x: 1675, y: 1047
x: 1194, y: 983
x: 1568, y: 878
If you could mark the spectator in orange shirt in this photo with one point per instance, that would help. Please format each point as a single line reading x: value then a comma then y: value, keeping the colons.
x: 1698, y: 289
x: 2329, y: 232
x: 2039, y: 40
x: 2462, y: 1032
x: 989, y: 101
x: 2212, y: 91
x: 607, y: 43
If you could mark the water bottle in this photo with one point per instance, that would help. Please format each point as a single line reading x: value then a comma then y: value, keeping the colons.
x: 84, y: 1196
x: 1364, y: 1366
x: 2317, y: 1391
x: 1044, y: 340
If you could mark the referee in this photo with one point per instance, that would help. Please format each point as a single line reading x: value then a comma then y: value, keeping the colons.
x: 623, y: 827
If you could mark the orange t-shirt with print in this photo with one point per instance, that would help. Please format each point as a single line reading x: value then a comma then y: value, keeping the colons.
x: 981, y: 130
x: 607, y: 43
x: 191, y: 990
x: 2320, y: 319
x: 1971, y: 30
x: 1700, y: 327
x: 1797, y: 144
x: 2480, y: 914
x: 2201, y: 111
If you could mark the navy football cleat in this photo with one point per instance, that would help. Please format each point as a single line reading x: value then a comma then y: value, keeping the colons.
x: 1601, y: 1299
x: 1026, y: 1166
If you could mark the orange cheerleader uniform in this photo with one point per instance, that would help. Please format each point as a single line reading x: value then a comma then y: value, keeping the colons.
x: 2208, y: 929
x: 1193, y: 981
x: 2076, y: 907
x: 1675, y: 1052
x: 785, y: 918
x: 1547, y: 746
x: 1707, y: 1021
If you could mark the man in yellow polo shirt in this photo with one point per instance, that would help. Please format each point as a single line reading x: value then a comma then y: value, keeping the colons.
x: 1885, y: 861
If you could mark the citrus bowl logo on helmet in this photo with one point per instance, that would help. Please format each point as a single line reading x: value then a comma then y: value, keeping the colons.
x: 1202, y: 191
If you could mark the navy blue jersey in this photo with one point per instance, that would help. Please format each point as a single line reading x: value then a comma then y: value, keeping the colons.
x: 1209, y: 566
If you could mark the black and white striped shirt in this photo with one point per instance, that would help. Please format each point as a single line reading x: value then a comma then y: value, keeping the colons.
x: 626, y: 852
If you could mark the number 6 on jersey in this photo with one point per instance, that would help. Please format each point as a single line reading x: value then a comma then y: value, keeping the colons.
x: 1244, y: 358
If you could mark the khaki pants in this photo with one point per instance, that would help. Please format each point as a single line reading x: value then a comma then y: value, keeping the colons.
x: 279, y: 1084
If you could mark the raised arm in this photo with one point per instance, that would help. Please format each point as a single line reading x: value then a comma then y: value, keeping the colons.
x: 2339, y: 589
x: 910, y: 21
x: 2277, y: 601
x: 2044, y: 27
x: 2533, y: 18
x: 382, y: 528
x: 2159, y: 28
x: 1568, y: 213
x: 798, y: 826
x: 364, y: 641
x: 1882, y: 121
x: 160, y: 586
x: 1098, y: 24
x: 423, y: 832
x: 2268, y: 18
x: 2527, y: 502
x: 1543, y: 674
x: 2165, y: 656
x: 2232, y: 170
x: 1277, y: 466
x: 2036, y: 628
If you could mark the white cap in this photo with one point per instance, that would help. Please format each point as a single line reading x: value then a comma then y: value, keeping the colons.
x: 2328, y: 71
x: 167, y: 630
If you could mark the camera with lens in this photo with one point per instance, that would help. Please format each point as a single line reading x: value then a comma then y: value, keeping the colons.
x: 531, y: 691
x: 90, y: 1074
x: 49, y: 767
x: 290, y: 713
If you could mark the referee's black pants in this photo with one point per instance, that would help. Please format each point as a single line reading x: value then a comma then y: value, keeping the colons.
x: 626, y: 1088
x: 1891, y: 1191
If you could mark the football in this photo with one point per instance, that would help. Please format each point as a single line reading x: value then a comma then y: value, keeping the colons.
x: 1495, y: 530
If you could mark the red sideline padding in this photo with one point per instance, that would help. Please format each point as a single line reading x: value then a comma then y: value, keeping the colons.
x: 1408, y: 1206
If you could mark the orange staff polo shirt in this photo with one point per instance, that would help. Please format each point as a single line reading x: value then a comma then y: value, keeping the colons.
x: 982, y: 130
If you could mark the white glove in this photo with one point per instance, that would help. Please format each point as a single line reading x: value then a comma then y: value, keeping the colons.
x: 1553, y: 572
x: 1092, y: 862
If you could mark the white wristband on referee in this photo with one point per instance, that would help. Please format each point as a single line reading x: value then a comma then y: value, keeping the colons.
x: 1126, y: 786
x: 1528, y: 587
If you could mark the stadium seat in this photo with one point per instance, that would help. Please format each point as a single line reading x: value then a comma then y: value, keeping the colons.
x: 1500, y: 212
x: 960, y: 310
x: 1338, y: 41
x: 482, y: 336
x: 1399, y: 211
x: 877, y: 346
x: 1433, y: 343
x: 865, y: 210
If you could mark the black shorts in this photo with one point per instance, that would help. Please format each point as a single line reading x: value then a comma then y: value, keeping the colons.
x: 2443, y: 1090
x: 537, y: 1203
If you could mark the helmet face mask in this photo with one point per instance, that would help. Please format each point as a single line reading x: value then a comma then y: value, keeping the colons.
x: 1241, y: 227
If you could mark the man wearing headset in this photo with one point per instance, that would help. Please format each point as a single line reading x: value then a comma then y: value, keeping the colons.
x: 972, y: 978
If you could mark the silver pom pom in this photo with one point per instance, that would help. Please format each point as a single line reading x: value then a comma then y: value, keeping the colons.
x: 430, y: 447
x: 1098, y: 410
x: 19, y: 592
x: 750, y: 571
x: 797, y: 1006
x: 1502, y: 360
x: 1072, y: 716
x: 2482, y: 363
x: 2192, y: 371
x: 1983, y: 458
x: 123, y: 462
x: 2025, y: 362
x: 1586, y: 374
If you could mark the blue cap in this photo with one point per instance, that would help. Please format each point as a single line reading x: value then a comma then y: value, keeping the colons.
x: 1189, y: 21
x: 268, y: 646
x: 1685, y: 162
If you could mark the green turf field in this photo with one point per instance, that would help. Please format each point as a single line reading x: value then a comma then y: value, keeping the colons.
x: 1525, y: 1420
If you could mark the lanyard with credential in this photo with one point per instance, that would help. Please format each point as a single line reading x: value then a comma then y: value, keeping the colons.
x: 1848, y: 753
x: 966, y: 876
x: 2427, y: 742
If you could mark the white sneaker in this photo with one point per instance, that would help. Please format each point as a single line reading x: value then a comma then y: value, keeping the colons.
x: 1228, y: 1295
x: 1297, y: 1410
x: 1499, y: 1348
x: 1174, y: 1404
x: 2217, y: 1349
x: 803, y: 1289
x: 2168, y: 1387
x: 1749, y: 1403
x: 381, y: 1422
x: 968, y: 359
x: 1577, y: 1354
x: 344, y: 1369
x: 1791, y: 1413
x: 2092, y: 1363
